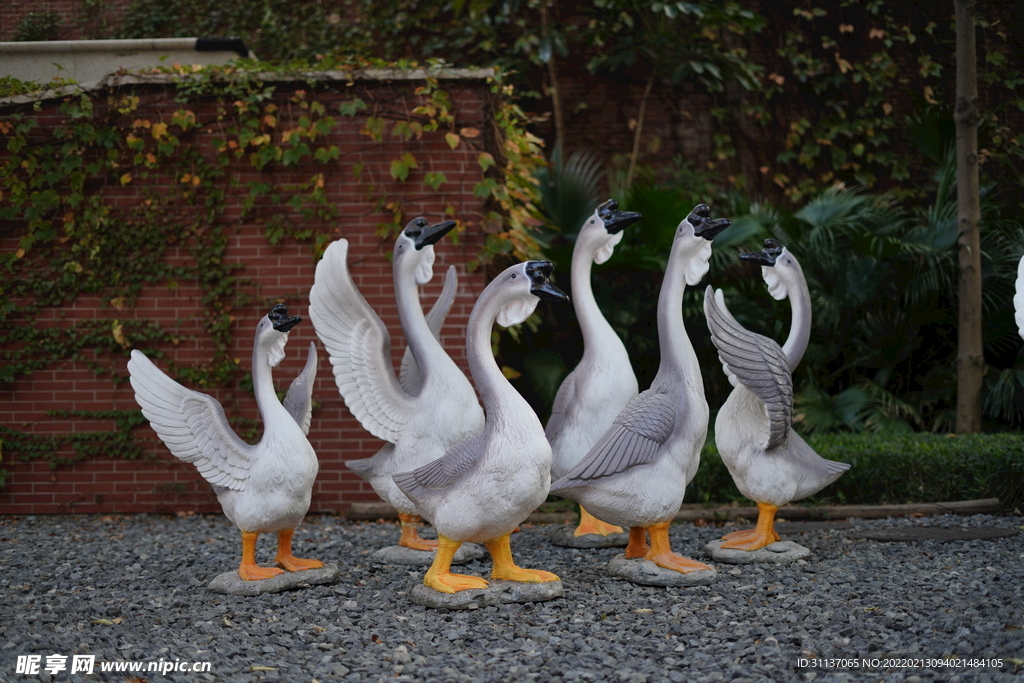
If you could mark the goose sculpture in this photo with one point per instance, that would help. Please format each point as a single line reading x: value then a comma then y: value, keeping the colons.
x: 769, y: 461
x: 601, y: 385
x: 637, y: 472
x: 419, y: 418
x: 1018, y: 298
x: 263, y: 488
x: 487, y: 483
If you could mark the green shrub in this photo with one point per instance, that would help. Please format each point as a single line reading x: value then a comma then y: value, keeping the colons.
x: 35, y: 26
x: 897, y: 468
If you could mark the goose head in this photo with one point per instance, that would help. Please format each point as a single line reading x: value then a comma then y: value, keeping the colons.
x: 603, y: 230
x: 272, y: 334
x: 520, y: 287
x: 692, y: 242
x: 779, y: 268
x: 414, y: 248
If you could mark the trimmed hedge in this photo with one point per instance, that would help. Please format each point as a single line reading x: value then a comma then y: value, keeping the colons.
x: 897, y: 468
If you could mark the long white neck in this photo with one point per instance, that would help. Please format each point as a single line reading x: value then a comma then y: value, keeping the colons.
x: 800, y: 327
x: 592, y: 322
x: 263, y: 387
x: 677, y: 354
x: 499, y: 398
x: 426, y: 349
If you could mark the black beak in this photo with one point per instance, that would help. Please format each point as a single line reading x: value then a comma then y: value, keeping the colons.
x: 615, y: 220
x: 703, y: 225
x: 767, y: 256
x: 423, y: 235
x: 280, y: 320
x: 540, y: 286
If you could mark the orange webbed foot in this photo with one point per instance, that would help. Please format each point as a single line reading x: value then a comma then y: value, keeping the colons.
x: 446, y: 582
x: 411, y: 536
x: 297, y: 564
x: 676, y: 562
x: 254, y: 572
x: 590, y: 524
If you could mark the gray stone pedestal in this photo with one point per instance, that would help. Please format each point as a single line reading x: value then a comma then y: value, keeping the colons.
x: 644, y: 572
x: 228, y: 583
x: 780, y: 552
x: 496, y: 593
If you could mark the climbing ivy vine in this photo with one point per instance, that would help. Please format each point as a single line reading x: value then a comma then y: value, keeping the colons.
x: 141, y: 185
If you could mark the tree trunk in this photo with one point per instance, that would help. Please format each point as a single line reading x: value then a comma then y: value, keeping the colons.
x: 556, y: 92
x: 970, y: 362
x: 637, y: 133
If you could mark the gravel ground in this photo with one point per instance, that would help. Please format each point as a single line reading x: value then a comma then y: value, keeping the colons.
x: 133, y: 588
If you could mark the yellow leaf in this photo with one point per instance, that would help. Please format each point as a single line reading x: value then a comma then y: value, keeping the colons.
x: 510, y: 373
x: 452, y: 139
x: 269, y: 121
x: 469, y: 133
x: 118, y: 331
x: 117, y: 302
x: 319, y: 180
x: 844, y: 65
x: 126, y: 178
x: 159, y: 130
x: 19, y: 254
x: 846, y: 28
x: 103, y: 622
x: 929, y: 95
x: 151, y: 158
x: 876, y: 33
x: 196, y: 180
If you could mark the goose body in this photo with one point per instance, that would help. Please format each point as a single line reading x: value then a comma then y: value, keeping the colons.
x: 487, y: 483
x: 770, y: 463
x: 637, y: 472
x: 263, y: 488
x: 603, y: 382
x: 424, y: 412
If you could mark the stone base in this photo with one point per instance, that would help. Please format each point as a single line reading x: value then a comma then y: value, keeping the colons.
x: 228, y: 583
x: 496, y: 593
x: 780, y: 552
x: 646, y: 573
x: 398, y: 554
x: 563, y: 535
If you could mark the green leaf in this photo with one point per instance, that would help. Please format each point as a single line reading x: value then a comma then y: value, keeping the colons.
x: 434, y: 180
x: 400, y: 167
x: 485, y: 160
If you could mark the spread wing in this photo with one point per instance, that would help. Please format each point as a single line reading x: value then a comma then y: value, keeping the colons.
x: 192, y: 425
x: 442, y: 473
x: 634, y: 439
x: 565, y: 397
x: 409, y: 375
x: 1018, y: 298
x: 359, y: 348
x: 754, y: 361
x: 299, y: 399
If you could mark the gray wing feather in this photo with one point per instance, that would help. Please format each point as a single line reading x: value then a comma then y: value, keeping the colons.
x: 192, y: 425
x: 754, y: 361
x: 445, y: 471
x: 409, y: 375
x: 634, y: 439
x: 299, y: 399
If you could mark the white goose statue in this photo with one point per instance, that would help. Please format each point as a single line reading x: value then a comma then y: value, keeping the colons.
x: 488, y: 483
x: 769, y: 461
x: 263, y: 488
x: 420, y: 419
x: 597, y: 390
x: 1018, y: 298
x: 636, y: 474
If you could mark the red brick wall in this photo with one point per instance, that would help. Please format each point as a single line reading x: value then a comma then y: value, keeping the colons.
x: 162, y: 484
x: 77, y: 21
